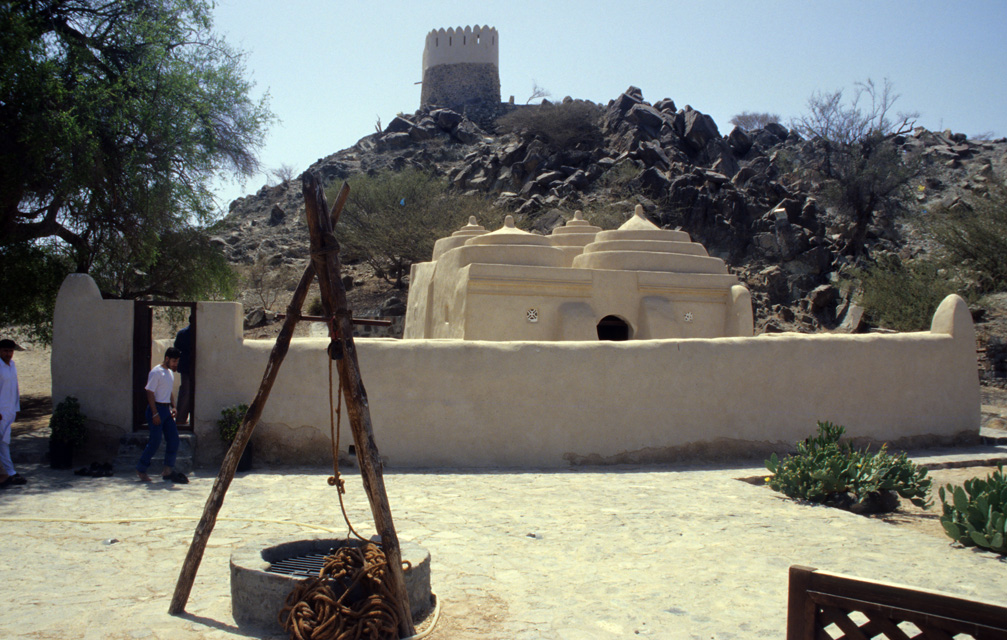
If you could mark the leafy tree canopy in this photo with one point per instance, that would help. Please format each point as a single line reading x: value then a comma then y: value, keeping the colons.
x: 115, y: 117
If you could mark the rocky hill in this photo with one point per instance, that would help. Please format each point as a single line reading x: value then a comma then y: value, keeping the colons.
x: 743, y: 195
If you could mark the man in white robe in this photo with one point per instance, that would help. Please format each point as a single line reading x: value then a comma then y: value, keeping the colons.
x: 10, y: 404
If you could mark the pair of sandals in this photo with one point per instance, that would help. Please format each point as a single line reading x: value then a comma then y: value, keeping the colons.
x: 177, y: 477
x: 95, y: 470
x: 15, y: 480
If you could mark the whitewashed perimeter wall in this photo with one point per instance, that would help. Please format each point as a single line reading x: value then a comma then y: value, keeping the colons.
x: 452, y: 403
x: 452, y: 46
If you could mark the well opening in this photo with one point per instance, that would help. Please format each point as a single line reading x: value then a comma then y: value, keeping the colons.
x: 264, y: 574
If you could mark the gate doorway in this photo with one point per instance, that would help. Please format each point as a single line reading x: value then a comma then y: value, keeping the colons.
x: 143, y: 329
x: 613, y: 328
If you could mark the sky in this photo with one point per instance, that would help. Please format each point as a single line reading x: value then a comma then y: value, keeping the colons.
x: 333, y: 68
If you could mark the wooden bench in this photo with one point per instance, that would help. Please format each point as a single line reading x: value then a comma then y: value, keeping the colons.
x: 818, y: 599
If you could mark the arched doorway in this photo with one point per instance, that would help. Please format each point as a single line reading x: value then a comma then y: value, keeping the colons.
x: 613, y: 328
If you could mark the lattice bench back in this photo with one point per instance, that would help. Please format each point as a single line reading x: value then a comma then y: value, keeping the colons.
x: 828, y: 606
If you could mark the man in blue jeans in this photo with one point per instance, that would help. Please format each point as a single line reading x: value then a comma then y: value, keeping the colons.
x: 161, y: 419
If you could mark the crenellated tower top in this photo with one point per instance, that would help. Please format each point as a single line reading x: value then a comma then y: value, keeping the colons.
x: 453, y: 46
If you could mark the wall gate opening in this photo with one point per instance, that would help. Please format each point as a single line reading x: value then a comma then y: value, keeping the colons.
x: 143, y: 328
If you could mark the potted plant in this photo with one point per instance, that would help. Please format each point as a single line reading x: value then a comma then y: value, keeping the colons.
x: 228, y: 425
x: 68, y: 432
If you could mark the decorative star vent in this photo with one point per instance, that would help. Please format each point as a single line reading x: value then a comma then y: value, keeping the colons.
x: 688, y: 316
x: 532, y: 315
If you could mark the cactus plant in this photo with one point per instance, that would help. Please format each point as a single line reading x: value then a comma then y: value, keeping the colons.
x: 828, y: 471
x: 975, y: 514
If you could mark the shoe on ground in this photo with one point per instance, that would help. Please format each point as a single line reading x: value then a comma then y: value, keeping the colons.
x: 18, y: 479
x: 176, y: 477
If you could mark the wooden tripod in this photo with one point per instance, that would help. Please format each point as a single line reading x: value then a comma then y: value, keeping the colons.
x: 326, y: 266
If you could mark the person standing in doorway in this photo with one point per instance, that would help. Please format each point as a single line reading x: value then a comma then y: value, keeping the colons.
x: 161, y: 419
x: 10, y: 404
x: 183, y: 342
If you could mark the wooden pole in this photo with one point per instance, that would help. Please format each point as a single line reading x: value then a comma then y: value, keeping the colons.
x: 216, y: 499
x: 325, y: 254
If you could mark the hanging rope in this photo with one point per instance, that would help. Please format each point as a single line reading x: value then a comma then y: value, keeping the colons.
x: 349, y: 600
x: 335, y: 480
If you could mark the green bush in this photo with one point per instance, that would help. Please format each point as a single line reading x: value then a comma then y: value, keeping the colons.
x: 67, y: 424
x: 975, y: 514
x: 974, y: 239
x: 561, y: 126
x: 230, y: 421
x: 315, y: 307
x: 901, y: 295
x: 825, y: 470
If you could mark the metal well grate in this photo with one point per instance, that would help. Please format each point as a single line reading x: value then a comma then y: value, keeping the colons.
x: 299, y: 567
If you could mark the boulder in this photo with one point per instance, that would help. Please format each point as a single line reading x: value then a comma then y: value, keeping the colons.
x: 446, y: 119
x: 398, y: 125
x: 699, y: 128
x: 466, y: 132
x: 398, y: 140
x: 823, y: 298
x: 393, y: 306
x: 647, y: 117
x: 666, y: 105
x: 255, y: 318
x: 777, y: 130
x: 739, y: 141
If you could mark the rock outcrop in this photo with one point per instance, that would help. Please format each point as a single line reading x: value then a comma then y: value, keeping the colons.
x: 740, y: 194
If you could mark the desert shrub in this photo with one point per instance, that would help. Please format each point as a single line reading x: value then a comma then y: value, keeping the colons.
x: 68, y: 424
x: 861, y: 173
x: 750, y: 121
x: 315, y: 307
x: 901, y: 294
x: 230, y: 421
x: 974, y: 238
x: 825, y: 470
x: 975, y: 514
x: 267, y: 280
x: 562, y: 126
x: 619, y: 177
x: 393, y: 218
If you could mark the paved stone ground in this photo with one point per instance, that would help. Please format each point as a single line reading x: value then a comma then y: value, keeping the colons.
x: 672, y: 552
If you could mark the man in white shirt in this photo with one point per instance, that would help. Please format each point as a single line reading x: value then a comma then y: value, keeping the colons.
x: 10, y: 404
x: 161, y: 419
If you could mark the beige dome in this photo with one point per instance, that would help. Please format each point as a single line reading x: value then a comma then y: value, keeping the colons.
x: 458, y: 238
x: 640, y: 245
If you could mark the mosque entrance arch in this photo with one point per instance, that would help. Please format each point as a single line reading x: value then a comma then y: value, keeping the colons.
x: 614, y: 328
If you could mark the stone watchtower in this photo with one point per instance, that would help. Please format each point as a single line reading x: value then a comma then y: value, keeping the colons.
x: 461, y: 71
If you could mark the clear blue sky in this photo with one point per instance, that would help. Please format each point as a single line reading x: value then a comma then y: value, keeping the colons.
x: 334, y: 67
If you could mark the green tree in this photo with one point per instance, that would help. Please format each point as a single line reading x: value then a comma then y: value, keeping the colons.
x: 115, y: 117
x: 393, y: 218
x: 862, y: 173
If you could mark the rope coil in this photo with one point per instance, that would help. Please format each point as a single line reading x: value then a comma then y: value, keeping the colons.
x: 349, y: 600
